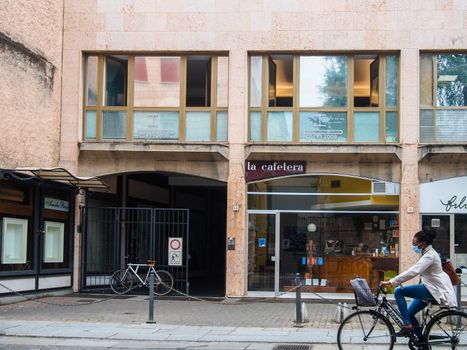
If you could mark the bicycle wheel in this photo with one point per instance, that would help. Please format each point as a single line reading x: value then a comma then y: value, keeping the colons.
x: 447, y: 330
x: 365, y: 330
x: 121, y: 281
x: 163, y: 282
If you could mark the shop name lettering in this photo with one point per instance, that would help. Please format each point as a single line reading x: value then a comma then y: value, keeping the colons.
x: 275, y: 167
x: 453, y: 203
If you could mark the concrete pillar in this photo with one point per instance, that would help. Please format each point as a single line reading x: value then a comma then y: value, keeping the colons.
x: 236, y: 201
x: 410, y: 187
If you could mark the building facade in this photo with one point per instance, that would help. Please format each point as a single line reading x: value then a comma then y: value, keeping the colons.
x: 312, y: 137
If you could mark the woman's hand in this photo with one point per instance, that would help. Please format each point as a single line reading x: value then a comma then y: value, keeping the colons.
x: 385, y: 284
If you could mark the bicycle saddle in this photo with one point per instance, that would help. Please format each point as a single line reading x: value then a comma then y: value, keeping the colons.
x: 151, y: 262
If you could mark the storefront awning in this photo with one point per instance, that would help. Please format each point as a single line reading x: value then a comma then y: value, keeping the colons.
x: 63, y: 175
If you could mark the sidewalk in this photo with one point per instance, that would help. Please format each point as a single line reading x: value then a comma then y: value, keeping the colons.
x: 85, y: 321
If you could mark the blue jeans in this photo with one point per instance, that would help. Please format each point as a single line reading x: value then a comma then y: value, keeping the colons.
x: 420, y: 295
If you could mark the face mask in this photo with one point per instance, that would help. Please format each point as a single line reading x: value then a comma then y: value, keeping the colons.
x: 416, y: 249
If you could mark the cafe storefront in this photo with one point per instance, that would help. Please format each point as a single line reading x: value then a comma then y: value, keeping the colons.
x: 329, y: 228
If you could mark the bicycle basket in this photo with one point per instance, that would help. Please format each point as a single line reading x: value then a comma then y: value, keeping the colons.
x: 363, y: 294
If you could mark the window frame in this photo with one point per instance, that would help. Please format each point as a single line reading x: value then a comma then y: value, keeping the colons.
x: 130, y: 109
x: 350, y: 109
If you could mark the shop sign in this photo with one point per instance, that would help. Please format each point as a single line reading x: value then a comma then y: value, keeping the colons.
x: 444, y: 196
x: 260, y: 169
x: 56, y: 204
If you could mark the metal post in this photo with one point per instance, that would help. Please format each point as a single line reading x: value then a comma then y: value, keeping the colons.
x: 151, y: 297
x: 298, y: 301
x: 459, y: 304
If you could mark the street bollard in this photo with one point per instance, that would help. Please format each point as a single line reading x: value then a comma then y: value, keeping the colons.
x: 151, y: 297
x: 298, y: 301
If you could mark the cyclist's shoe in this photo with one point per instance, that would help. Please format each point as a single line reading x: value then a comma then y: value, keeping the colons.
x: 405, y: 332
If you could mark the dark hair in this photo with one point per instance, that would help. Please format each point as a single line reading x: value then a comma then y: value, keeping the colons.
x: 426, y: 235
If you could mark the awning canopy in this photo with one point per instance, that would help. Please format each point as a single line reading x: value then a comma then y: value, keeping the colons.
x: 63, y: 175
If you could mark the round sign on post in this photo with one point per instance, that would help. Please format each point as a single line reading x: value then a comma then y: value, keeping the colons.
x: 175, y: 251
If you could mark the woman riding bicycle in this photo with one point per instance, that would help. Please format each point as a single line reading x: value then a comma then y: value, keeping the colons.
x: 435, y: 284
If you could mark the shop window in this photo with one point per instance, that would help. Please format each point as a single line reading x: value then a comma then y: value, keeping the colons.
x: 198, y: 81
x: 116, y: 71
x: 54, y: 242
x: 14, y: 240
x: 443, y: 97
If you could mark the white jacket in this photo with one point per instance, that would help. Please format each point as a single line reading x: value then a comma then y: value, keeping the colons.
x: 432, y: 276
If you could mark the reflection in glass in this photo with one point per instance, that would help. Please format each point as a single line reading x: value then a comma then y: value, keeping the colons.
x: 366, y: 81
x: 452, y: 80
x: 391, y: 127
x: 90, y: 125
x: 222, y: 81
x: 256, y: 66
x: 114, y: 124
x: 391, y: 81
x: 116, y: 69
x: 427, y: 126
x: 157, y: 81
x: 198, y: 126
x: 426, y: 80
x: 323, y: 126
x: 14, y: 240
x: 155, y: 125
x: 280, y: 81
x: 323, y: 81
x: 255, y: 126
x: 221, y: 126
x: 198, y: 81
x: 91, y: 81
x: 54, y: 242
x: 366, y: 126
x: 451, y: 125
x: 280, y: 126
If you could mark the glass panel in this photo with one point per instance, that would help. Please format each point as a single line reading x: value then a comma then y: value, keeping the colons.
x: 256, y: 80
x: 427, y: 126
x: 198, y: 126
x: 91, y: 120
x: 281, y: 81
x: 366, y: 126
x: 366, y: 81
x: 323, y: 81
x: 391, y: 127
x: 155, y: 125
x: 91, y: 81
x: 261, y: 251
x: 460, y: 240
x: 157, y: 81
x: 451, y: 125
x: 426, y: 80
x: 391, y: 81
x: 280, y: 126
x: 328, y: 250
x: 53, y: 241
x: 255, y: 126
x: 222, y: 81
x: 14, y: 242
x: 114, y: 124
x: 442, y: 241
x: 221, y: 126
x: 198, y: 81
x: 452, y: 80
x: 116, y: 68
x: 323, y: 126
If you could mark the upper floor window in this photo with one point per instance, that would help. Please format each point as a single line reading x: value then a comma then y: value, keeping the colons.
x: 146, y: 97
x: 332, y: 98
x: 443, y: 97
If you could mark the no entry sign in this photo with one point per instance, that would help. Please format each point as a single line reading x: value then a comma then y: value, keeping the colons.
x: 175, y: 251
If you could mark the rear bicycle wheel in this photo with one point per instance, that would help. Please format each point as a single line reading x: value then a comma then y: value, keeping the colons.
x: 365, y: 330
x: 163, y: 282
x: 121, y: 281
x: 447, y: 330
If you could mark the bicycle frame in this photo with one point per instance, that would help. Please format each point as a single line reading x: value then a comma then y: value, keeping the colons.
x: 134, y: 271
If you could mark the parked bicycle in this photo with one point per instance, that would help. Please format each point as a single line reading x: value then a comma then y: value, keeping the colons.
x: 122, y: 280
x: 442, y: 328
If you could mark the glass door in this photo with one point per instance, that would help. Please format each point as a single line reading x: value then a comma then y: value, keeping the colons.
x: 262, y: 258
x: 460, y: 240
x: 442, y: 224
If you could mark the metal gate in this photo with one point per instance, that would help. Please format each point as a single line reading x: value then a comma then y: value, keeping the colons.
x: 116, y: 236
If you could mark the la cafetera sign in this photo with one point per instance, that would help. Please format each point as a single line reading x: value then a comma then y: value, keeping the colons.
x: 261, y: 169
